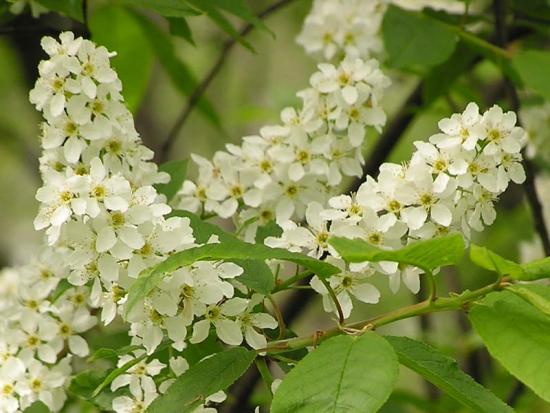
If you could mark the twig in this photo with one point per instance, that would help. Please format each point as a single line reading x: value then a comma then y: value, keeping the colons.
x: 450, y: 303
x: 278, y: 316
x: 198, y: 92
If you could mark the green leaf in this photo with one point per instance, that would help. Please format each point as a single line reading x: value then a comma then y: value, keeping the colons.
x: 345, y: 374
x: 441, y: 78
x: 113, y: 374
x: 427, y: 255
x: 37, y: 407
x: 167, y: 8
x: 115, y: 28
x: 491, y: 261
x: 443, y: 372
x: 271, y: 229
x: 516, y: 334
x: 532, y: 66
x: 256, y: 276
x: 70, y: 8
x: 536, y: 270
x: 536, y: 295
x: 177, y: 171
x: 83, y: 385
x: 240, y: 9
x: 63, y: 286
x: 202, y: 380
x: 213, y: 13
x: 202, y: 230
x: 228, y: 251
x: 178, y: 72
x: 179, y: 27
x: 111, y: 353
x: 414, y: 40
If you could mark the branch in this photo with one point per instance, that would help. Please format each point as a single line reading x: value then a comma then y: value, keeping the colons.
x: 450, y: 303
x: 199, y: 90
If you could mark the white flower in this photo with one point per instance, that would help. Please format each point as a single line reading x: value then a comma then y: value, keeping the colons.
x: 228, y: 330
x: 139, y: 375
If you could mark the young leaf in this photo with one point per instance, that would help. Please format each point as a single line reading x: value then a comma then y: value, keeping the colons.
x: 493, y: 262
x: 532, y: 67
x: 70, y: 8
x: 443, y: 372
x: 345, y: 374
x: 516, y: 334
x: 414, y: 40
x: 179, y: 27
x: 180, y: 75
x: 427, y: 255
x: 229, y: 251
x: 202, y: 380
x: 177, y: 171
x: 536, y: 270
x: 115, y: 28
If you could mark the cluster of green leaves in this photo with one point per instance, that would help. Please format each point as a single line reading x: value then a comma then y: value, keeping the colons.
x: 437, y: 47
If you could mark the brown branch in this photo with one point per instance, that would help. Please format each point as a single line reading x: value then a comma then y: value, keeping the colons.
x: 199, y: 90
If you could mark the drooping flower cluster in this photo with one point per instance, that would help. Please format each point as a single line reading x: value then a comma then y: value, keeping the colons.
x: 276, y: 174
x: 107, y: 223
x: 450, y: 184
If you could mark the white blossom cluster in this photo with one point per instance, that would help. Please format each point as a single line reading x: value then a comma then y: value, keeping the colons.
x: 107, y: 223
x: 337, y: 28
x: 450, y: 184
x: 275, y: 174
x: 40, y: 332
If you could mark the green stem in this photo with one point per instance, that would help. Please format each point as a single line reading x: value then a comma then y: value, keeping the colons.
x: 334, y: 299
x: 453, y: 302
x: 285, y: 285
x: 264, y: 372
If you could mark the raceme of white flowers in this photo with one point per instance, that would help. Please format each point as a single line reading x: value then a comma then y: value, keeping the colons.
x: 105, y: 224
x: 274, y: 175
x: 450, y: 184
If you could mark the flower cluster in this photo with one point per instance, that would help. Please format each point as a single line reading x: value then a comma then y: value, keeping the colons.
x: 343, y: 27
x: 276, y: 174
x: 450, y: 184
x: 40, y: 327
x: 337, y: 28
x: 107, y: 223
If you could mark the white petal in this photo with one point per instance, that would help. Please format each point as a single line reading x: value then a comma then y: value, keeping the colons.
x: 229, y: 332
x: 441, y: 214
